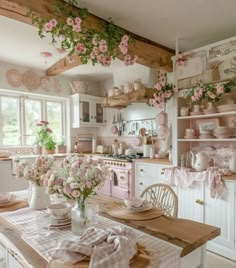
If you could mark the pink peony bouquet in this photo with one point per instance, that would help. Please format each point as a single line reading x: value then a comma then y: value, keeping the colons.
x: 77, y: 178
x: 34, y: 171
x: 164, y: 92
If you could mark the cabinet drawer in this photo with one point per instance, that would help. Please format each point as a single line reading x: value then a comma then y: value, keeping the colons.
x: 149, y: 171
x: 146, y: 171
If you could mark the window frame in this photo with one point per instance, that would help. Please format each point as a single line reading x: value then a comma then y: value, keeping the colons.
x: 22, y: 96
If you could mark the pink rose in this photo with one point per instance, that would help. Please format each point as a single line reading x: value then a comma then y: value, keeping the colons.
x: 58, y: 181
x: 67, y: 190
x: 75, y: 193
x: 219, y: 89
x: 78, y: 20
x: 157, y: 86
x: 88, y: 184
x: 125, y: 38
x: 47, y: 27
x: 94, y: 41
x: 44, y: 122
x: 53, y: 22
x: 103, y: 48
x: 103, y: 42
x: 48, y: 130
x: 77, y: 28
x: 70, y: 21
x: 39, y: 124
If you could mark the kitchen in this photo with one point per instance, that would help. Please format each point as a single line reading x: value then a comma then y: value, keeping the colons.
x: 124, y: 125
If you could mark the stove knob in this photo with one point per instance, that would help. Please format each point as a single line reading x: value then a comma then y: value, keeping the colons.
x: 114, y: 163
x: 121, y: 164
x: 124, y: 165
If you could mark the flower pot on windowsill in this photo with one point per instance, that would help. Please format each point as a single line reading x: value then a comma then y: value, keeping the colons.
x: 48, y: 151
x: 61, y: 149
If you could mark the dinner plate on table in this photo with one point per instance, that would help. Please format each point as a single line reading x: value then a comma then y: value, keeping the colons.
x: 145, y: 207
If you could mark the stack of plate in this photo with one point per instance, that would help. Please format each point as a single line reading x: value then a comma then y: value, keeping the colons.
x: 226, y: 108
x: 222, y: 133
x: 205, y: 134
x: 60, y: 223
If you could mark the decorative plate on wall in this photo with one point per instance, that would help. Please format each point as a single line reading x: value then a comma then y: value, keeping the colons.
x: 31, y: 80
x: 14, y: 78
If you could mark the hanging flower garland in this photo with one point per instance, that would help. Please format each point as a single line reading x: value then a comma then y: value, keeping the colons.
x: 70, y: 34
x: 164, y: 92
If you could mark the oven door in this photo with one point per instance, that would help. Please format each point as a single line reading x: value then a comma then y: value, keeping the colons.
x: 120, y: 183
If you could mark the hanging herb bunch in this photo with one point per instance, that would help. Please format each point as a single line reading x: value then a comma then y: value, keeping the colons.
x: 68, y: 31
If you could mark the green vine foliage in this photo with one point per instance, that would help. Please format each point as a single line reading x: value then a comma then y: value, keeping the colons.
x: 71, y: 35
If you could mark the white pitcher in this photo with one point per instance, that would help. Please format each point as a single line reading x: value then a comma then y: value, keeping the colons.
x: 37, y: 197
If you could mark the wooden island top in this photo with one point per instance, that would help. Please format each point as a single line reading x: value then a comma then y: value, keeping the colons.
x: 185, y: 234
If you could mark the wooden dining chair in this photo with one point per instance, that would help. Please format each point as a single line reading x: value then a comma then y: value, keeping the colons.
x: 162, y: 195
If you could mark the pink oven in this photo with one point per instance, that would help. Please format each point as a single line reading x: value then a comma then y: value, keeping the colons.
x: 122, y: 179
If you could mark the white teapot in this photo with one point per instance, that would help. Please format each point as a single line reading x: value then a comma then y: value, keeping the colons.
x: 201, y: 161
x: 232, y: 163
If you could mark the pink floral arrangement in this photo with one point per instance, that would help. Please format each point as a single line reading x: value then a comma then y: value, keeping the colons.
x: 77, y: 178
x: 34, y: 171
x: 164, y: 92
x: 197, y: 94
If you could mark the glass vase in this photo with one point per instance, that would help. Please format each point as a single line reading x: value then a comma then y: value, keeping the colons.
x: 79, y: 218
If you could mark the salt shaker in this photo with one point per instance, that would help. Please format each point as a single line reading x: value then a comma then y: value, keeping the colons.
x: 151, y: 152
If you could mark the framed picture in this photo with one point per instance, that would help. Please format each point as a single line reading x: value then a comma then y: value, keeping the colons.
x: 205, y: 124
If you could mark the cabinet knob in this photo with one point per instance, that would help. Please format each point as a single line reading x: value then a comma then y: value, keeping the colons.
x: 140, y: 183
x: 200, y: 202
x: 95, y: 117
x: 141, y: 170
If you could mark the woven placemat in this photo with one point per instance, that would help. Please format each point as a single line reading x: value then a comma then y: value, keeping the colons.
x: 17, y: 204
x: 125, y: 214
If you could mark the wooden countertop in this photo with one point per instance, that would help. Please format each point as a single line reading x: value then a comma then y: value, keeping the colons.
x: 164, y: 161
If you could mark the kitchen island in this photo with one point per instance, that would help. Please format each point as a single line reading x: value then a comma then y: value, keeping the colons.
x: 187, y: 238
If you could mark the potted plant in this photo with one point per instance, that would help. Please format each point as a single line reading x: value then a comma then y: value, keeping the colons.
x: 49, y: 145
x: 61, y: 147
x: 44, y: 137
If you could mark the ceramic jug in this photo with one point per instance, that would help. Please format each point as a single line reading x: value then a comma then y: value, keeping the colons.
x: 232, y: 163
x: 201, y: 161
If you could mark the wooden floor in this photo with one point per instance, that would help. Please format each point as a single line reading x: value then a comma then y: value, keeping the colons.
x: 215, y: 261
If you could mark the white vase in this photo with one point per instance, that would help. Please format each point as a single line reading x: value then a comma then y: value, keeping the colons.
x: 37, y: 197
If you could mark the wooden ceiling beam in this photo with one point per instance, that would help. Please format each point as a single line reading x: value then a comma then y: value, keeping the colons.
x: 149, y: 53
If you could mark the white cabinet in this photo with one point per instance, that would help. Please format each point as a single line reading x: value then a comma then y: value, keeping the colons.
x: 221, y: 213
x: 147, y: 174
x: 195, y: 203
x: 191, y: 202
x: 8, y: 182
x: 87, y: 111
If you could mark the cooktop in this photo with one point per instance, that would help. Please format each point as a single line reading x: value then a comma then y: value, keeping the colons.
x: 127, y: 158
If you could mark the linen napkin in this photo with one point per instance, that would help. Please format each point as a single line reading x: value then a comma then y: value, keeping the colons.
x: 111, y: 248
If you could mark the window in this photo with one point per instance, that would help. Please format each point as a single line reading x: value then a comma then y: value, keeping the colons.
x: 10, y: 121
x: 19, y: 113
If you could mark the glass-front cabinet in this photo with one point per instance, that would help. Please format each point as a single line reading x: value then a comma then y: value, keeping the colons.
x: 88, y: 111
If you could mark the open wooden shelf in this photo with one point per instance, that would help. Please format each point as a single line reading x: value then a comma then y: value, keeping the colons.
x: 123, y: 100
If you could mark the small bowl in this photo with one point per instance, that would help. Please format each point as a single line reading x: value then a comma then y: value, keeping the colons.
x: 59, y: 210
x: 133, y: 202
